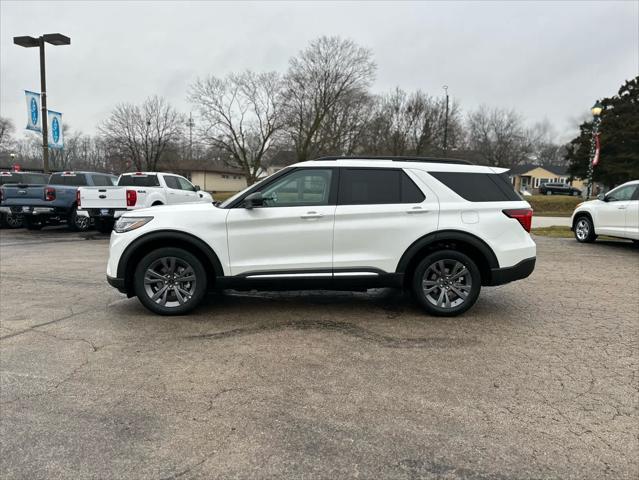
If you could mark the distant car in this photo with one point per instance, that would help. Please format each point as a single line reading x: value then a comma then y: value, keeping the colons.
x: 134, y: 191
x: 54, y: 202
x: 557, y: 188
x: 8, y: 219
x: 615, y: 214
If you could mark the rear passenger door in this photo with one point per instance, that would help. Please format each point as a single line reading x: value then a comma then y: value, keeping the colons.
x: 380, y: 213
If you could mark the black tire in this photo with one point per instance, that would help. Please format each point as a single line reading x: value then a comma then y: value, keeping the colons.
x: 427, y: 284
x: 548, y: 192
x: 104, y: 225
x: 584, y: 230
x: 32, y: 223
x: 78, y: 223
x: 575, y: 193
x: 13, y: 221
x: 156, y: 266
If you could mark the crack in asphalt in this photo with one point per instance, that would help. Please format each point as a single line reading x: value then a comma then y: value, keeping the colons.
x: 43, y: 324
x: 347, y: 329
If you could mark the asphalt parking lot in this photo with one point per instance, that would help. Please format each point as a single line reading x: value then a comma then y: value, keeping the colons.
x: 538, y: 380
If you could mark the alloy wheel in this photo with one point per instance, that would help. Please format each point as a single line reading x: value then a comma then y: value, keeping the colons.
x: 447, y: 283
x: 582, y: 230
x: 170, y: 281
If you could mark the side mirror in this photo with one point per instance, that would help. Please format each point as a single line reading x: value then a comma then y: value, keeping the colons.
x: 197, y: 188
x: 255, y: 199
x: 602, y: 197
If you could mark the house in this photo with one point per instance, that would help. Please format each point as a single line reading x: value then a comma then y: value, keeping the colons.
x: 211, y: 175
x: 282, y: 159
x: 529, y: 177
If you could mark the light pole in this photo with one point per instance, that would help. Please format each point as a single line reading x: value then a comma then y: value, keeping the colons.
x: 28, y: 42
x: 446, y: 123
x: 596, y: 110
x: 190, y: 124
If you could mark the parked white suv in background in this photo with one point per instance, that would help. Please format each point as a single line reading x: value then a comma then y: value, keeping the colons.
x: 134, y: 191
x: 441, y: 228
x: 615, y: 214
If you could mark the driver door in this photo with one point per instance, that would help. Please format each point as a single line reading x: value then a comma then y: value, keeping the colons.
x: 291, y: 232
x: 611, y: 214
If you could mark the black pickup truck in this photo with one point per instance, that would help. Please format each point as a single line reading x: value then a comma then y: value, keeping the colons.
x: 54, y: 202
x: 557, y: 188
x: 7, y: 218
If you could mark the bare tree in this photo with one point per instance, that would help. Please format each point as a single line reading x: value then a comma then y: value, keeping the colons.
x: 499, y: 137
x: 329, y: 71
x: 240, y: 117
x: 143, y: 132
x: 411, y: 124
x: 6, y: 134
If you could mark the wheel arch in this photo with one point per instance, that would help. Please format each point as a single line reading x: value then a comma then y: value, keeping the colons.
x: 578, y: 215
x: 167, y: 238
x: 461, y: 241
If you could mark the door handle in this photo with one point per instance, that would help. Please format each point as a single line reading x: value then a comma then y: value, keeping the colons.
x: 312, y: 215
x: 416, y: 210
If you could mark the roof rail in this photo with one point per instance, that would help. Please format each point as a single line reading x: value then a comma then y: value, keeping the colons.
x: 398, y: 159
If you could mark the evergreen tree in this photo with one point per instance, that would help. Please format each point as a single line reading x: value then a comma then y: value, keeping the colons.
x: 619, y: 137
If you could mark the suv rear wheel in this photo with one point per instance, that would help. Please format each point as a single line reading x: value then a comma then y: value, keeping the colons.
x: 170, y: 281
x: 446, y: 283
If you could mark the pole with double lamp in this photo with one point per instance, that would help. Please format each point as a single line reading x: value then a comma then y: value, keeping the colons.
x: 56, y: 39
x: 445, y: 87
x: 596, y: 110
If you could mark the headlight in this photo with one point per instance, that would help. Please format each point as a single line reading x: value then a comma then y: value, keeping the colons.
x: 126, y: 224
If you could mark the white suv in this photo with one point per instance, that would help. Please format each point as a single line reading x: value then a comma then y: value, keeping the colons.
x: 615, y: 214
x: 441, y: 228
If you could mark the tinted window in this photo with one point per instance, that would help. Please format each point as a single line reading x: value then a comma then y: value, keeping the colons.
x: 102, y: 181
x: 478, y: 187
x: 621, y: 194
x: 30, y: 178
x: 72, y: 180
x: 185, y: 184
x: 300, y: 187
x: 172, y: 182
x: 374, y: 186
x: 138, y: 181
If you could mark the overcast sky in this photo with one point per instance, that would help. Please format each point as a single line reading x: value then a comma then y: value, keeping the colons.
x: 543, y: 59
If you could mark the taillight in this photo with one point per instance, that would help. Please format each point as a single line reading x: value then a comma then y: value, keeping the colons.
x: 77, y: 197
x: 131, y: 198
x: 49, y: 194
x: 1, y: 194
x: 522, y: 215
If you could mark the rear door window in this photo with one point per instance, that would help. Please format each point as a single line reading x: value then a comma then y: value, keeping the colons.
x: 375, y: 186
x: 138, y: 181
x: 172, y: 182
x: 479, y: 187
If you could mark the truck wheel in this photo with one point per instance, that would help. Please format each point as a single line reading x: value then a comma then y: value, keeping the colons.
x: 548, y: 192
x: 13, y: 221
x: 78, y: 223
x: 104, y: 225
x: 170, y: 281
x: 33, y: 223
x: 446, y: 283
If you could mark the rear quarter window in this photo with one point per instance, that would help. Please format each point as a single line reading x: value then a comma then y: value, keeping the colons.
x: 479, y: 187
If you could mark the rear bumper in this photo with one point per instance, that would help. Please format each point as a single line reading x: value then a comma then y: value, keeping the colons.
x: 499, y: 276
x: 117, y: 283
x: 113, y: 213
x: 30, y: 210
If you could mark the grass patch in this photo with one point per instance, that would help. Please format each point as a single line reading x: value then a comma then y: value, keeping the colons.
x: 553, y: 205
x: 221, y: 196
x: 554, y: 232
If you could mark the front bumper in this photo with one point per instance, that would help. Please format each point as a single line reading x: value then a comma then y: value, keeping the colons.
x: 499, y: 276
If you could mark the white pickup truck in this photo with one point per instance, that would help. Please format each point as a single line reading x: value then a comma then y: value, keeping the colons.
x: 133, y: 191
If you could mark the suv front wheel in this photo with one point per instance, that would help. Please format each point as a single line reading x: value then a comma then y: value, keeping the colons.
x: 170, y: 281
x: 446, y: 283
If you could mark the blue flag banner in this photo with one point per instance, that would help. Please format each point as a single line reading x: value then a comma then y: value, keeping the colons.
x: 55, y: 130
x: 34, y: 122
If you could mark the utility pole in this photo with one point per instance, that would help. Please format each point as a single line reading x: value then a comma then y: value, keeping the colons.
x: 190, y: 124
x: 28, y: 42
x: 596, y: 110
x: 446, y: 123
